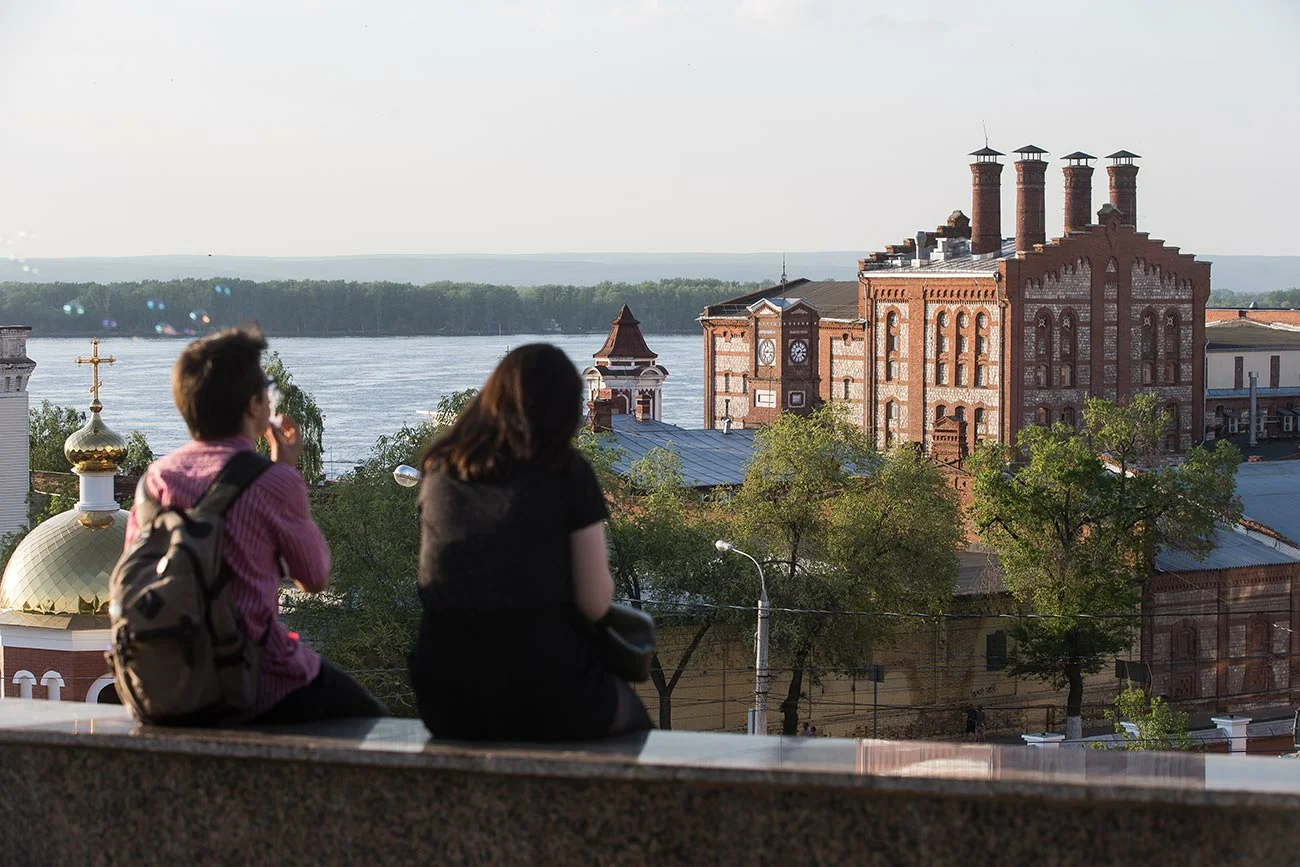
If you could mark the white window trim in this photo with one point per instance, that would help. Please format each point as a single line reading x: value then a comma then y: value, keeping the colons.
x: 104, y: 682
x: 53, y: 683
x: 25, y: 680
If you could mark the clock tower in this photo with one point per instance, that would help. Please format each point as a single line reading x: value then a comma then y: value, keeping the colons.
x: 785, y: 360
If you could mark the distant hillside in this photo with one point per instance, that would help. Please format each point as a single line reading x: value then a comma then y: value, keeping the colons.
x: 1242, y: 274
x: 563, y: 269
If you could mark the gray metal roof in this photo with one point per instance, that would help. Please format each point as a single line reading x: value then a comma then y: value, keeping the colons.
x: 1270, y: 495
x: 979, y: 574
x: 1288, y: 391
x: 833, y: 299
x: 1232, y: 550
x: 709, y: 457
x: 958, y: 266
x: 1238, y: 334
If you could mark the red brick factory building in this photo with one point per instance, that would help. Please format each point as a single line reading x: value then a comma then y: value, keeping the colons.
x: 973, y: 335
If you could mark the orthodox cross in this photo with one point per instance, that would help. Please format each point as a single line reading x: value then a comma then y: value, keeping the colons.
x: 95, y: 361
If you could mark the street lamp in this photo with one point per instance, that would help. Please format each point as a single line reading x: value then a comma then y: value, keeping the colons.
x: 761, y: 680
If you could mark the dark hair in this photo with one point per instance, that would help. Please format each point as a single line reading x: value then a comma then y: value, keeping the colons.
x: 525, y: 415
x: 215, y: 378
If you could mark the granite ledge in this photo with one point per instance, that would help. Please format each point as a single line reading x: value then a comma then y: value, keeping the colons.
x: 956, y: 770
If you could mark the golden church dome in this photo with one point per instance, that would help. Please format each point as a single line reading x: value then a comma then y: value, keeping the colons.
x: 94, y: 448
x: 63, y: 565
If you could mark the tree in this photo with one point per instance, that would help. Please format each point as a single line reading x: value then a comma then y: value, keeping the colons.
x: 366, y: 621
x: 661, y: 534
x: 1076, y: 519
x: 49, y: 427
x: 847, y: 530
x: 1159, y: 727
x: 295, y: 401
x: 138, y: 455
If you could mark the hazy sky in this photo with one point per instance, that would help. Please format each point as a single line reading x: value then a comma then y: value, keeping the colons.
x: 318, y: 128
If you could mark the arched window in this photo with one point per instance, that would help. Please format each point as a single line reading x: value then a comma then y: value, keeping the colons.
x: 1067, y: 416
x: 979, y: 419
x: 963, y: 337
x: 1068, y: 348
x: 1259, y: 653
x: 939, y: 412
x: 1172, y: 347
x: 891, y: 422
x: 981, y: 335
x: 1148, y: 347
x: 959, y: 413
x: 941, y: 345
x: 1042, y: 416
x: 891, y: 370
x: 891, y: 332
x: 1043, y: 349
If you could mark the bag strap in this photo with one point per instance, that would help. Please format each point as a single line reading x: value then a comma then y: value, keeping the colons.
x: 146, y: 506
x: 239, y: 472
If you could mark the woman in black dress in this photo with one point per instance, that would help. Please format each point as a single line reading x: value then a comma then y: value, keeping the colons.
x: 514, y: 570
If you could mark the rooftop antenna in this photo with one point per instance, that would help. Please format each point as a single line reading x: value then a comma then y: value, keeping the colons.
x: 984, y: 127
x: 783, y: 277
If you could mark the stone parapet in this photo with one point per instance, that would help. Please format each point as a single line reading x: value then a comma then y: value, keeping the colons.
x: 381, y: 792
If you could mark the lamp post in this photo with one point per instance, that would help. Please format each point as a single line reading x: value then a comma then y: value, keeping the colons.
x: 761, y: 680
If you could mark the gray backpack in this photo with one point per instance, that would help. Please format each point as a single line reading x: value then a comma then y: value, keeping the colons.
x: 181, y: 652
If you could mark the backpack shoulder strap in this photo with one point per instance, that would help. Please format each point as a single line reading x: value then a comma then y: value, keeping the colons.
x: 239, y: 472
x: 146, y: 506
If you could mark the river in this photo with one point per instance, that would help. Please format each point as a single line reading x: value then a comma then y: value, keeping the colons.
x: 365, y: 386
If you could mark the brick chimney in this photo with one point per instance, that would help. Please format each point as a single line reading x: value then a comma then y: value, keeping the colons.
x: 1124, y: 185
x: 1078, y: 190
x: 1031, y: 217
x: 644, y: 408
x: 986, y: 201
x: 600, y: 415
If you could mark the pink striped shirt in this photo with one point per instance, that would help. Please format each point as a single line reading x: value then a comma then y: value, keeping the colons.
x: 270, y: 520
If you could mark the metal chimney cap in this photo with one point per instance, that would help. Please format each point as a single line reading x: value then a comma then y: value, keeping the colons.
x: 1032, y: 151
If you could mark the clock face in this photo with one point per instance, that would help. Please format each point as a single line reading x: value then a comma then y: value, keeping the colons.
x: 799, y: 351
x: 766, y: 351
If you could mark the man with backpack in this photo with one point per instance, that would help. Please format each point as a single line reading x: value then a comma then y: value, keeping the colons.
x: 214, y: 530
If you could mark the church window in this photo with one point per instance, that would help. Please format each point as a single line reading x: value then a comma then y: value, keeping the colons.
x: 942, y: 339
x: 1043, y: 349
x: 1042, y: 416
x: 1147, y: 346
x: 959, y: 413
x: 891, y: 370
x: 1067, y: 416
x: 891, y: 332
x: 981, y: 376
x: 962, y: 319
x: 941, y: 373
x: 1172, y: 347
x: 939, y: 412
x: 961, y: 374
x: 979, y: 419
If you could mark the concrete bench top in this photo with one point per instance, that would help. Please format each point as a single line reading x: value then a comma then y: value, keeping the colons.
x: 915, y: 767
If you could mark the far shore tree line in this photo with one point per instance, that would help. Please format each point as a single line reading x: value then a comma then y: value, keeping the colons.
x: 843, y: 530
x: 317, y: 308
